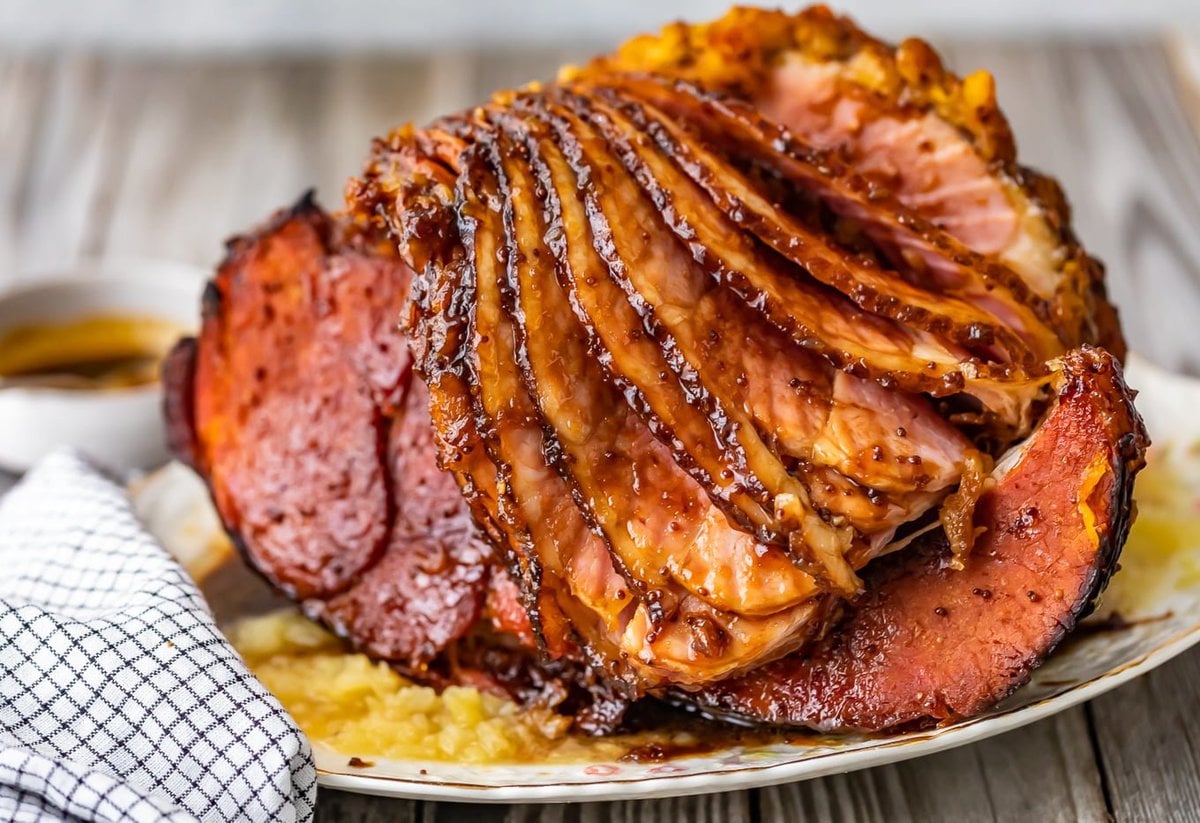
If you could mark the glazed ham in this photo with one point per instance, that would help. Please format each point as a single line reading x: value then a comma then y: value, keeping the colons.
x: 625, y: 385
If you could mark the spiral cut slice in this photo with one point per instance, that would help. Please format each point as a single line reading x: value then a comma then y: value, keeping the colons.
x: 937, y: 143
x: 667, y: 293
x: 873, y: 287
x: 860, y: 341
x: 772, y: 389
x: 925, y: 643
x: 784, y: 387
x: 477, y: 448
x: 660, y: 636
x: 935, y: 256
x: 667, y: 532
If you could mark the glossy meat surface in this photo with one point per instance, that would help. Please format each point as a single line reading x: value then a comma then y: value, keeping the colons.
x: 607, y: 431
x: 673, y: 288
x: 937, y: 142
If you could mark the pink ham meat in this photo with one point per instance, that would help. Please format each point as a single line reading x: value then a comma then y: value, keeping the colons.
x: 925, y: 643
x: 913, y: 130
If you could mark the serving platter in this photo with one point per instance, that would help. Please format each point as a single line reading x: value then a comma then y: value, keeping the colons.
x: 1150, y: 614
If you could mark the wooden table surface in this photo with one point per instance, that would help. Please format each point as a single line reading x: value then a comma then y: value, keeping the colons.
x: 138, y: 157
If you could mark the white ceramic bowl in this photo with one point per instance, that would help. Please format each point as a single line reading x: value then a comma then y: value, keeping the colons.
x: 120, y: 428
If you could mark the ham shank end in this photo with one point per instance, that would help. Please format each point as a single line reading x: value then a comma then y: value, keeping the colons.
x: 927, y: 644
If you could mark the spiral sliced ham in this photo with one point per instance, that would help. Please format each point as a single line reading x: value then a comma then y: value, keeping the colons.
x: 743, y: 367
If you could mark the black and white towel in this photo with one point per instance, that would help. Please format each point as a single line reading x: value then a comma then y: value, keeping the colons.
x: 119, y: 698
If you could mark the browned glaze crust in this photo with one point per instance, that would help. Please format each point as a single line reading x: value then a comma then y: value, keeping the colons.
x: 430, y: 596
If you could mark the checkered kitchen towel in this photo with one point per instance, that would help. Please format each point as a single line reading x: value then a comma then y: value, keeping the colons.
x: 119, y: 699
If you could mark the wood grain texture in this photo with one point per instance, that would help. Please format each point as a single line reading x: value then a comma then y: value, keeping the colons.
x: 160, y: 158
x: 1044, y: 772
x: 1148, y: 737
x: 344, y: 807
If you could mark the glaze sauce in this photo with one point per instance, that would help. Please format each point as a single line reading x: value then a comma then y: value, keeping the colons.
x: 92, y: 352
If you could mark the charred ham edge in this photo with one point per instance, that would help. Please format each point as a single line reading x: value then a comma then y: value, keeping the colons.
x: 873, y: 288
x: 413, y: 189
x: 955, y: 269
x: 280, y: 282
x: 179, y: 401
x: 428, y: 589
x: 445, y: 640
x: 242, y: 405
x: 435, y: 317
x: 742, y: 53
x: 441, y: 319
x: 653, y: 276
x: 927, y: 644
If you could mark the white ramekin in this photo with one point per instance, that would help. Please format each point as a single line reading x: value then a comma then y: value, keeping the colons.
x: 120, y: 428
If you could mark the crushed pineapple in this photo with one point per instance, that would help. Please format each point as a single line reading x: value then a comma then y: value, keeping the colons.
x: 1160, y: 559
x: 361, y: 707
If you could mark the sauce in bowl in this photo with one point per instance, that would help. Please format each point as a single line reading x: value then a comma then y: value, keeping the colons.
x: 101, y: 351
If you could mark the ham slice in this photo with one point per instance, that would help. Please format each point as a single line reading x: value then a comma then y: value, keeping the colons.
x: 926, y: 643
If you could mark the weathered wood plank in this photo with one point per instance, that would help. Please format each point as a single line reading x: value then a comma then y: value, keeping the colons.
x: 1149, y: 743
x: 361, y: 99
x: 345, y: 807
x: 1044, y: 772
x: 729, y: 807
x: 214, y: 149
x: 23, y: 90
x: 75, y: 155
x: 494, y: 71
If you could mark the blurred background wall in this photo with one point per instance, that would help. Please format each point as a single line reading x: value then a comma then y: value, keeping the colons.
x: 239, y: 26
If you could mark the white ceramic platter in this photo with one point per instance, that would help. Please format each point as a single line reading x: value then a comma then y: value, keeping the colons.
x: 1164, y: 621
